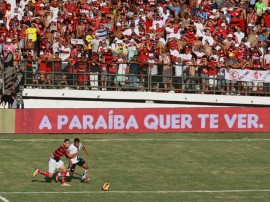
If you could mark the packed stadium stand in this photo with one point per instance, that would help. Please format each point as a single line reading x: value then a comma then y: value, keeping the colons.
x: 186, y: 46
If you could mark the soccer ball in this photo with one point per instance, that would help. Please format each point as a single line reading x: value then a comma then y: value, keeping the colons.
x: 106, y: 187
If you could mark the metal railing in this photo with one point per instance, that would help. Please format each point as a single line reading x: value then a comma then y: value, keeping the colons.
x: 144, y: 81
x: 7, y: 80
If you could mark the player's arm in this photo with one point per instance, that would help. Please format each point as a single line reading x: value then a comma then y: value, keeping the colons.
x: 85, y: 151
x: 69, y: 155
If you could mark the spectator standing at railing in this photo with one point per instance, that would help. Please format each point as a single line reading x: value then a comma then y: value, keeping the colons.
x: 152, y: 71
x: 199, y: 55
x: 167, y: 71
x: 56, y: 64
x: 111, y: 66
x: 65, y: 52
x: 122, y: 70
x: 82, y: 74
x: 189, y: 67
x: 94, y: 71
x: 221, y: 82
x: 177, y: 80
x: 41, y: 77
x: 212, y: 72
x: 231, y: 62
x: 134, y: 71
x: 103, y: 73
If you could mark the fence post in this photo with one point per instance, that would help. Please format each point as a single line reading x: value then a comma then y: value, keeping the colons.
x: 2, y: 82
x: 149, y: 75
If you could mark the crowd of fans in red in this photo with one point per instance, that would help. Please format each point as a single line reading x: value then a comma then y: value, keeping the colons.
x: 106, y: 43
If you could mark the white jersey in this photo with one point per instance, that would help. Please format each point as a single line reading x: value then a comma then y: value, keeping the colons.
x: 72, y: 149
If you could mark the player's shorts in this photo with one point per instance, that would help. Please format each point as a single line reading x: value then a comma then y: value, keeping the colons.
x: 53, y: 165
x: 79, y: 163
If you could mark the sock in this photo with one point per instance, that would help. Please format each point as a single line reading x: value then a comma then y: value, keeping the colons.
x: 85, y: 171
x: 64, y: 173
x: 43, y: 173
x: 60, y: 174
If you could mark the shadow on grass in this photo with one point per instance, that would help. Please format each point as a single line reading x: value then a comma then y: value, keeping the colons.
x: 46, y: 180
x: 76, y: 176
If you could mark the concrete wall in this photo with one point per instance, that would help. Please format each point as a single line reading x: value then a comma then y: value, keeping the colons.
x: 130, y: 99
x: 60, y: 98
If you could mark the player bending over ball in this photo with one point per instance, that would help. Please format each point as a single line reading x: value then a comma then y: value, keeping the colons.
x: 76, y: 160
x: 56, y: 162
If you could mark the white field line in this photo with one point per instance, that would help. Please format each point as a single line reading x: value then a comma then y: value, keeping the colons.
x: 154, y: 139
x: 144, y: 192
x: 3, y: 199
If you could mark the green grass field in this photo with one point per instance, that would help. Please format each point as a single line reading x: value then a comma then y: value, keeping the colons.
x: 142, y: 167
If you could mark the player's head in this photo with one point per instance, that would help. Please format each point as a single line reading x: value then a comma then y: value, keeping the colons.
x: 76, y: 142
x: 67, y: 143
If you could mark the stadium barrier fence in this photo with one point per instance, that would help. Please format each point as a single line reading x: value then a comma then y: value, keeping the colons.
x: 190, y: 79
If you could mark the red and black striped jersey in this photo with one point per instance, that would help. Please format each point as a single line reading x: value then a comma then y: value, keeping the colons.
x: 235, y: 18
x: 59, y: 152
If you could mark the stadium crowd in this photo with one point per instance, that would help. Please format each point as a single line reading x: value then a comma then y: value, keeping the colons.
x: 106, y: 43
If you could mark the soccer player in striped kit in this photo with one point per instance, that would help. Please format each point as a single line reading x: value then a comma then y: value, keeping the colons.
x: 56, y: 162
x: 76, y: 160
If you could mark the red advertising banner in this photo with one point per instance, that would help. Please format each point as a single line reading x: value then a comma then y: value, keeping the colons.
x: 143, y: 120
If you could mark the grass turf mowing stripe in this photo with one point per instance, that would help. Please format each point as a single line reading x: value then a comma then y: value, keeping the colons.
x: 119, y: 140
x: 144, y: 192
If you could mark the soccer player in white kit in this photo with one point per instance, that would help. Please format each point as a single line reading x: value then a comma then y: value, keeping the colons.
x: 76, y: 160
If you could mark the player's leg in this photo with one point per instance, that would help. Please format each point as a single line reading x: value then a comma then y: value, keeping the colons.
x: 71, y: 168
x: 69, y: 173
x: 64, y: 172
x: 85, y: 167
x: 85, y: 171
x: 52, y: 167
x: 45, y: 173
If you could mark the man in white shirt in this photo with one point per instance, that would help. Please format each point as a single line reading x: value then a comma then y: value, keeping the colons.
x: 153, y: 69
x: 169, y: 29
x: 239, y: 35
x: 159, y: 21
x: 77, y: 160
x: 207, y: 37
x: 131, y: 30
x: 199, y: 27
x: 177, y: 79
x: 159, y: 39
x: 174, y: 52
x: 65, y: 52
x: 175, y: 34
x: 165, y: 14
x: 16, y: 13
